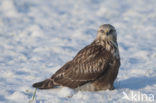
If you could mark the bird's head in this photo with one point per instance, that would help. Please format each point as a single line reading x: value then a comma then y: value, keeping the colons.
x: 106, y: 32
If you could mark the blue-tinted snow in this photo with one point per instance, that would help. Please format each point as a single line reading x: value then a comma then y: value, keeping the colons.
x: 38, y: 36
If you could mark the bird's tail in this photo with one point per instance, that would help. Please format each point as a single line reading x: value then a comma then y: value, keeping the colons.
x: 46, y: 84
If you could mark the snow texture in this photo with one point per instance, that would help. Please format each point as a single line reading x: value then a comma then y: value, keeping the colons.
x: 38, y: 36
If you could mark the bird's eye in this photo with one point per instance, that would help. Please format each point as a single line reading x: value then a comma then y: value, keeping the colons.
x: 111, y: 31
x: 102, y: 31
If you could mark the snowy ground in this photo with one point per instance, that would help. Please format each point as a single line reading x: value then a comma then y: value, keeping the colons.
x: 38, y: 36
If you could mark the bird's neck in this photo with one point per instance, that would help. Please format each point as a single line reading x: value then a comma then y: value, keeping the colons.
x: 106, y: 42
x: 109, y: 45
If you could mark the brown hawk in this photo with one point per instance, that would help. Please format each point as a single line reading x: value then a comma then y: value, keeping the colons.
x: 94, y: 68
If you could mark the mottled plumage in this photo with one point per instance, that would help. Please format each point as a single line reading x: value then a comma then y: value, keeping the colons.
x: 95, y: 67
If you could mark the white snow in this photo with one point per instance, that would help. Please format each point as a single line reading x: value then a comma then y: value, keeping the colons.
x: 38, y: 36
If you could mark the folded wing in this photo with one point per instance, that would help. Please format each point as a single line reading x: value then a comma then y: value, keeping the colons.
x: 88, y: 65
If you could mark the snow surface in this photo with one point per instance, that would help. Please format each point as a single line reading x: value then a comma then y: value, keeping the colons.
x: 38, y: 36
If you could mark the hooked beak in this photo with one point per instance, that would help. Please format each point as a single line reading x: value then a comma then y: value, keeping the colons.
x: 107, y: 31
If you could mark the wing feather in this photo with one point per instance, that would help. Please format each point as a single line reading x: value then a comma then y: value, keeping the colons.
x: 89, y: 64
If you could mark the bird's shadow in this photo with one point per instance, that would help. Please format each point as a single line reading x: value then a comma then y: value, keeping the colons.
x: 135, y: 83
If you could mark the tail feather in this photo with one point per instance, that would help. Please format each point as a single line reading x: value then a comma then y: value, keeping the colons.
x: 46, y: 84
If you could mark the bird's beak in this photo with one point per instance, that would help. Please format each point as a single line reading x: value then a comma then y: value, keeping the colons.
x: 107, y: 31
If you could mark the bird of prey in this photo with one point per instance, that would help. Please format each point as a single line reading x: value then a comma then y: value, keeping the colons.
x: 94, y: 68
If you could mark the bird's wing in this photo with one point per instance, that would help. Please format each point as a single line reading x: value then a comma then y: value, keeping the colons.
x: 89, y: 64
